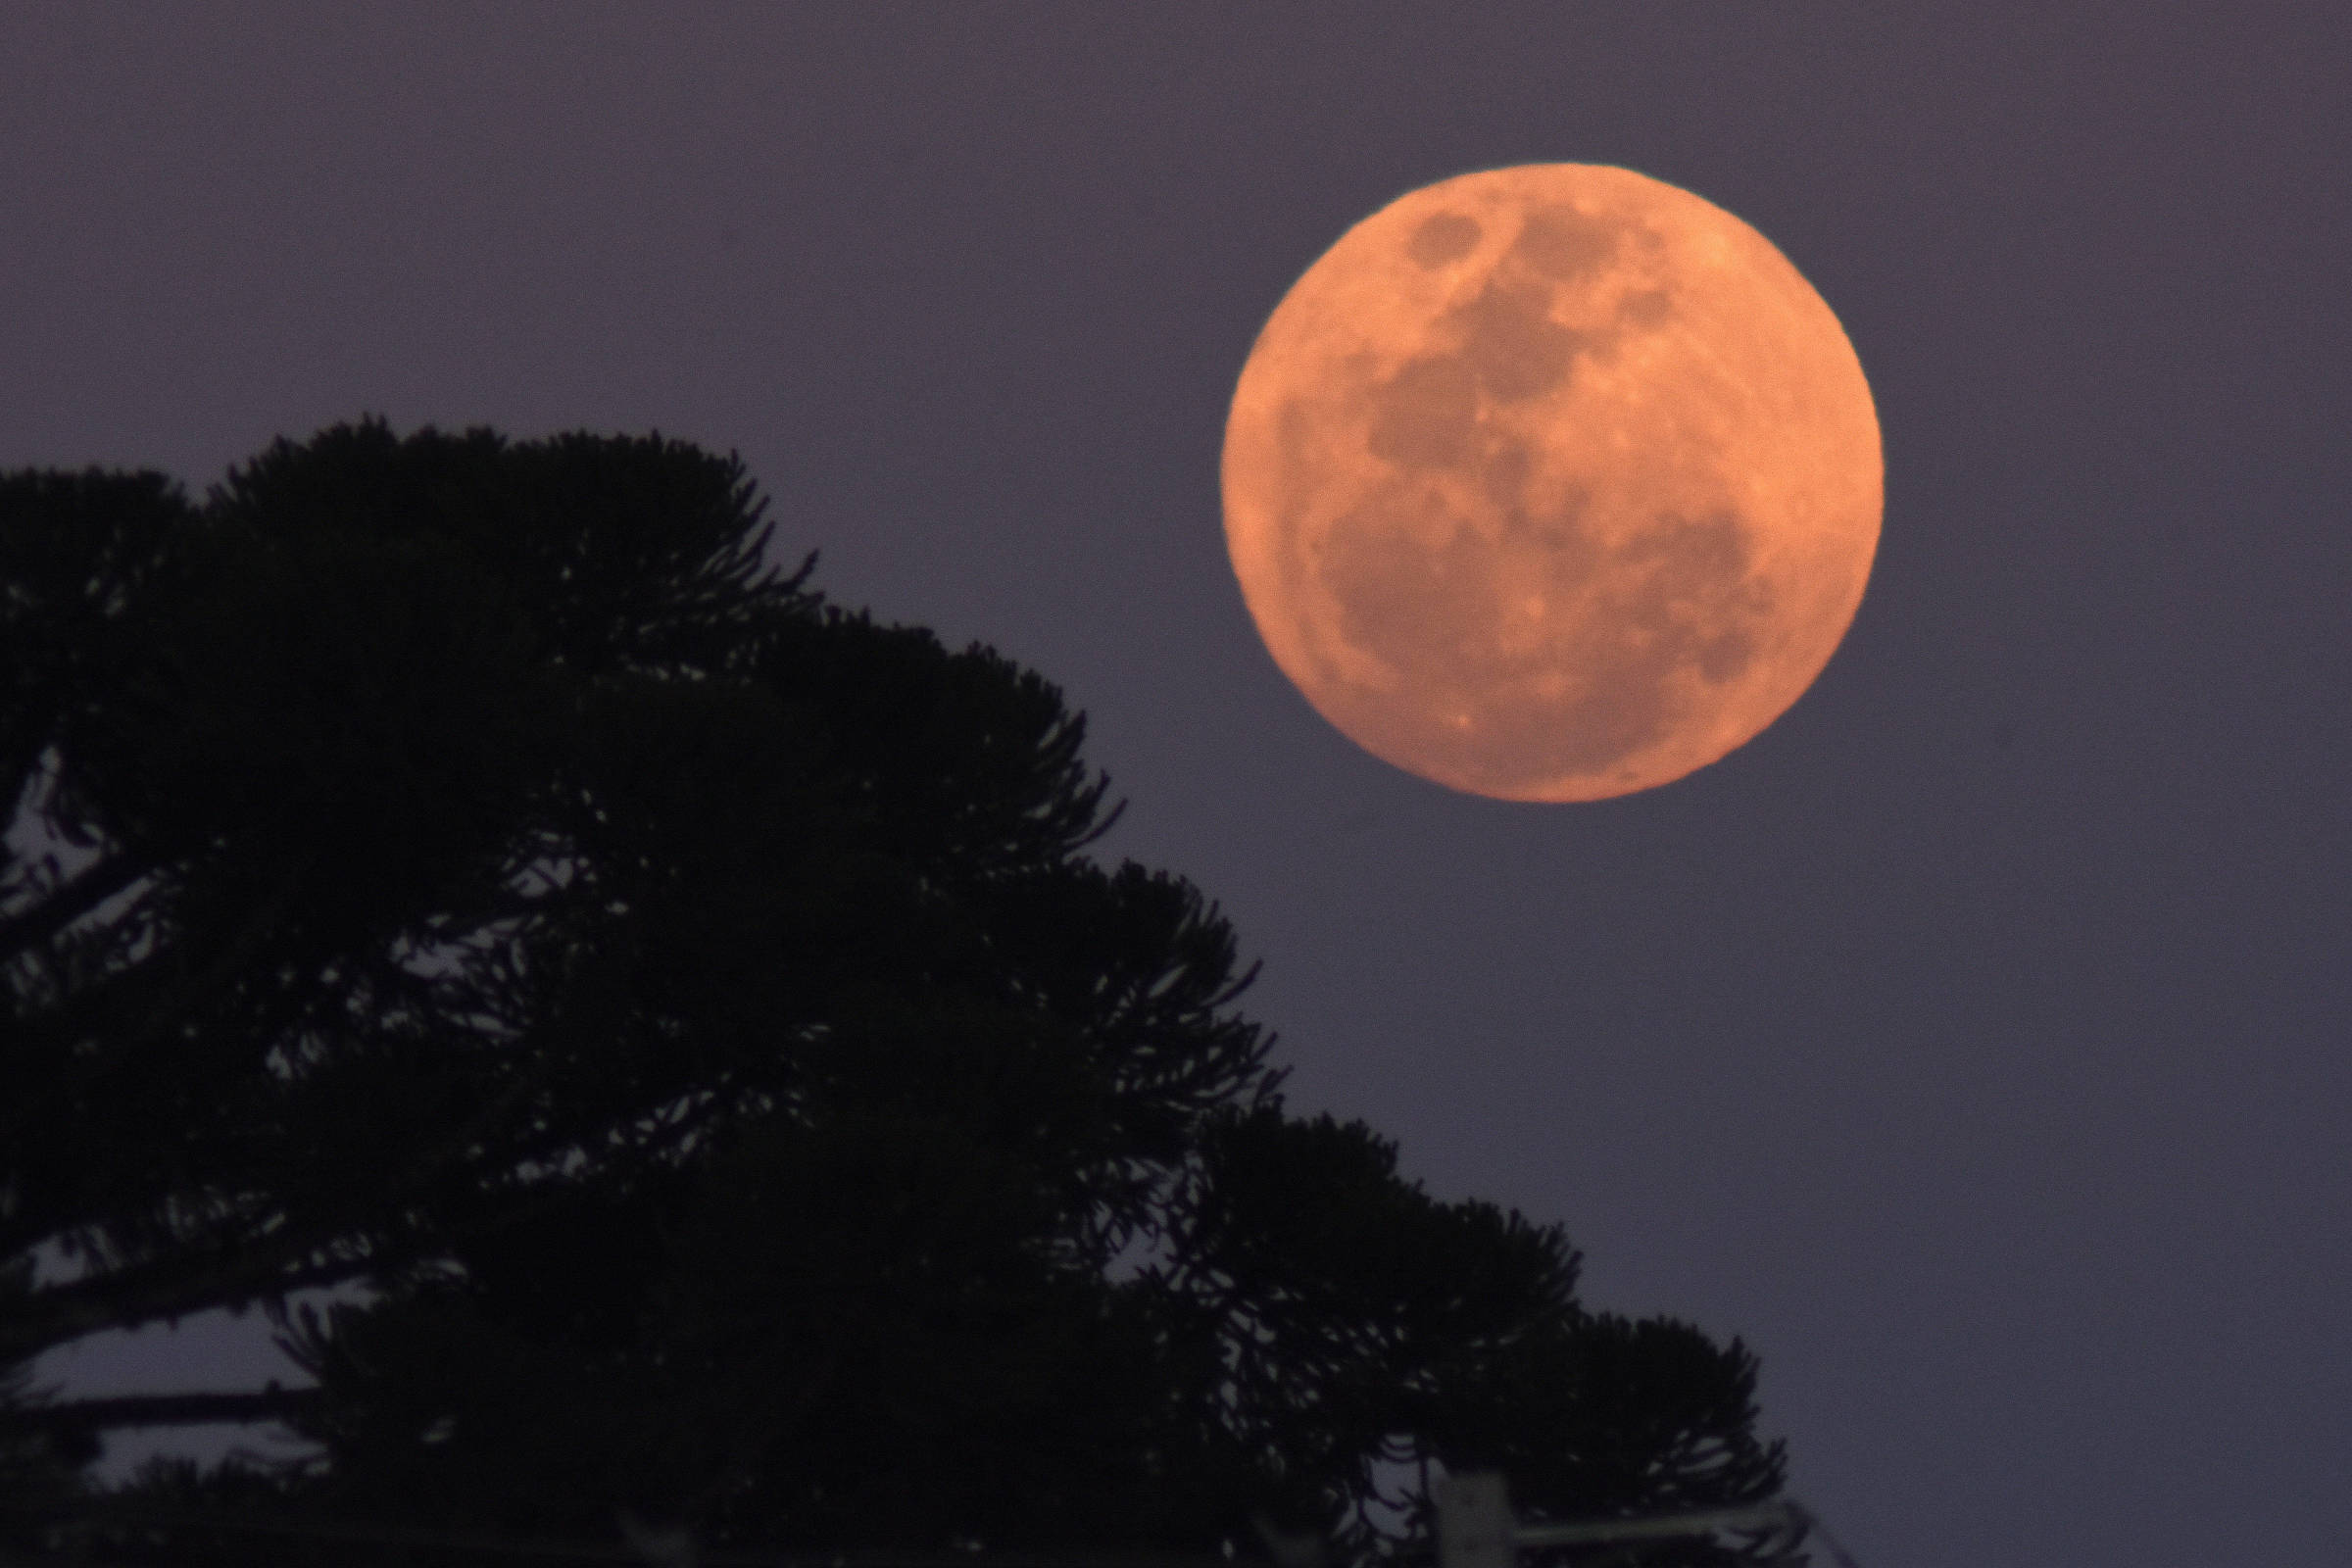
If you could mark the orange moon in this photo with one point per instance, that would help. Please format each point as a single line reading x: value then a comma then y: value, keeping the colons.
x: 1552, y: 482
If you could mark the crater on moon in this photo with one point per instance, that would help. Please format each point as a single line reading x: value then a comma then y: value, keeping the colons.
x: 1551, y: 482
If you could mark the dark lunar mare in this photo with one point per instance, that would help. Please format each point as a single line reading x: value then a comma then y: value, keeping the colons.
x: 1631, y: 618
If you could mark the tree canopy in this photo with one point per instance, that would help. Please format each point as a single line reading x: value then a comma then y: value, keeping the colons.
x: 471, y: 871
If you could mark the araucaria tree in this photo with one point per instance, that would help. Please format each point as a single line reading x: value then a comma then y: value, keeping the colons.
x: 690, y: 1019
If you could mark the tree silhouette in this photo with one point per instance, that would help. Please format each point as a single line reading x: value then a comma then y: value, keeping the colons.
x: 465, y: 869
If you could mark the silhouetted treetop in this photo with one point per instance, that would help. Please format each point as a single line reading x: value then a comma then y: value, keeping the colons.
x: 473, y: 872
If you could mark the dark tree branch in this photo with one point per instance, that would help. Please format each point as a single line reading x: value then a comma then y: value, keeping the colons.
x: 70, y: 903
x: 164, y: 1410
x: 61, y: 1313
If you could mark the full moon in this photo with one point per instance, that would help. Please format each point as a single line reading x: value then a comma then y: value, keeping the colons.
x: 1552, y: 482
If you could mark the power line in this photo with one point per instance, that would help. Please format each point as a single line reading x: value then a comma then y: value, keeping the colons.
x: 101, y: 1514
x: 1476, y: 1529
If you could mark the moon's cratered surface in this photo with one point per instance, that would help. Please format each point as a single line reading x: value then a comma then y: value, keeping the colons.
x: 1552, y: 482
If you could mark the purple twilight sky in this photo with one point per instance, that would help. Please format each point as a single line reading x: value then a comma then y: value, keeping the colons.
x: 1973, y: 1043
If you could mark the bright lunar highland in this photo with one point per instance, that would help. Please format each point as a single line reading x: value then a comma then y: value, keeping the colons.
x: 1552, y: 482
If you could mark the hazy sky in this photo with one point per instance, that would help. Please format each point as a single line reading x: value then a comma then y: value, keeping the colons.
x: 1973, y: 1043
